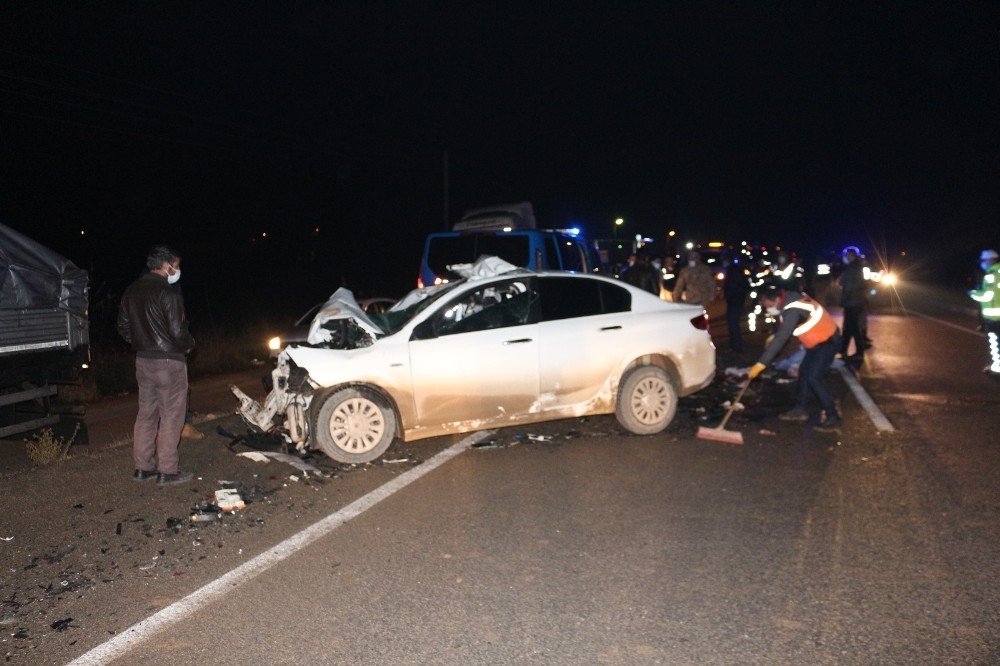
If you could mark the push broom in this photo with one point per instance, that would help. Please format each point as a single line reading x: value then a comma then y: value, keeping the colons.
x: 719, y: 433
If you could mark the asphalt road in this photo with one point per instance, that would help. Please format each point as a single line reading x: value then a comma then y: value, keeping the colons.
x: 594, y: 547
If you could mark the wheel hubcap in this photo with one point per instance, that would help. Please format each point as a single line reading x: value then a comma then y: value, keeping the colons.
x: 356, y: 425
x: 651, y: 401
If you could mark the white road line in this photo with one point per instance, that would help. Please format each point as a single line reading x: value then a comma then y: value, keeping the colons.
x: 882, y: 424
x: 947, y: 323
x: 145, y: 629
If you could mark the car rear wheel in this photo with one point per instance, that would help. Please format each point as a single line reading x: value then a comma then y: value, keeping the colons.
x: 647, y: 401
x: 354, y: 425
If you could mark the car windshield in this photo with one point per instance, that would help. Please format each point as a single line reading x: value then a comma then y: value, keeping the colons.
x: 447, y: 250
x: 391, y: 321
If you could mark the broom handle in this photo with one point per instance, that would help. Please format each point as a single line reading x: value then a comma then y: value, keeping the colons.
x: 732, y: 407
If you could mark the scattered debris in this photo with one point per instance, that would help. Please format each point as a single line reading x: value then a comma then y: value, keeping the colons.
x: 206, y: 512
x: 255, y: 456
x: 769, y: 433
x: 294, y: 461
x: 738, y: 407
x: 10, y: 538
x: 118, y: 530
x: 293, y: 477
x: 62, y: 625
x: 493, y: 444
x: 736, y: 372
x: 395, y: 460
x: 540, y: 438
x: 229, y: 500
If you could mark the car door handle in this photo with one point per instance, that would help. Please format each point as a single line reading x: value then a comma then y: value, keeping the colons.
x: 611, y: 328
x: 517, y: 342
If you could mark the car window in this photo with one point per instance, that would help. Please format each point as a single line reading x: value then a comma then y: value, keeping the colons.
x: 511, y: 248
x: 392, y: 320
x: 572, y: 259
x: 552, y: 253
x: 565, y: 297
x: 615, y: 298
x: 494, y: 305
x: 446, y: 250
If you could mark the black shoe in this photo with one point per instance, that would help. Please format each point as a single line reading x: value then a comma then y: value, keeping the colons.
x: 172, y: 479
x: 832, y: 424
x: 143, y: 475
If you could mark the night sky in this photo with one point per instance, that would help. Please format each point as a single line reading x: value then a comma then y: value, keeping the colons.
x: 207, y: 125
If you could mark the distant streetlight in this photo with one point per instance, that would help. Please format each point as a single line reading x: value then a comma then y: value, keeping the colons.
x: 618, y: 222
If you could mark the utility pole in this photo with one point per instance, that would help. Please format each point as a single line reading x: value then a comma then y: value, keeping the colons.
x: 446, y: 206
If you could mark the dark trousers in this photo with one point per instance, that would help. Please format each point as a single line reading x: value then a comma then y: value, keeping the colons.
x: 734, y: 317
x: 812, y: 371
x: 163, y: 385
x: 854, y: 329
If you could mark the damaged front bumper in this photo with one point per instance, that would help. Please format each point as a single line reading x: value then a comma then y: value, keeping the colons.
x: 284, y: 408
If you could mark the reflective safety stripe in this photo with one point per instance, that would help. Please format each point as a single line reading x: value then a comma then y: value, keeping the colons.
x: 986, y: 297
x: 991, y: 312
x: 818, y: 328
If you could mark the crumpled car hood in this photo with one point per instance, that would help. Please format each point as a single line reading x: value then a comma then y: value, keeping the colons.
x: 341, y: 305
x: 485, y: 266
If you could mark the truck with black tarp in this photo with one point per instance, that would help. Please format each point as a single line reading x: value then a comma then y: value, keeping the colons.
x: 44, y: 333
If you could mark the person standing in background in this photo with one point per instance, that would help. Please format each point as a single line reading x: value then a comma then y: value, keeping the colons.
x: 695, y: 284
x: 151, y: 319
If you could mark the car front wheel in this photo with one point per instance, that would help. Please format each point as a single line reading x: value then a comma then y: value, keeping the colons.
x: 647, y: 401
x: 354, y: 425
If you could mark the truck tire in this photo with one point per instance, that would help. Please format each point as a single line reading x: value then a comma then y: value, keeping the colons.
x: 647, y: 401
x: 354, y: 425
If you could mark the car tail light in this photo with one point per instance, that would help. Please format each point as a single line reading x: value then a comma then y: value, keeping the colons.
x: 420, y: 283
x: 701, y: 321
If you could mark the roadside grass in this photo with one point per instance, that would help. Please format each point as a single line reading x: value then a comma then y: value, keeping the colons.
x: 46, y: 447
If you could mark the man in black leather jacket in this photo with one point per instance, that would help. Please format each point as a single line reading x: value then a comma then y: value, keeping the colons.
x: 151, y: 319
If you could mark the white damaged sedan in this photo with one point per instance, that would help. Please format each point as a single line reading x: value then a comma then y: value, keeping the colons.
x: 504, y: 346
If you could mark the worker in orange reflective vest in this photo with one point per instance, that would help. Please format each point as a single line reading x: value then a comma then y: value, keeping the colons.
x: 808, y: 321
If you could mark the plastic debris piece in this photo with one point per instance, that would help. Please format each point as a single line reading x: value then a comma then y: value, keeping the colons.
x: 784, y: 380
x: 738, y: 407
x: 10, y: 538
x: 765, y: 431
x: 540, y: 438
x: 736, y: 372
x: 229, y: 499
x: 206, y: 512
x: 294, y: 461
x: 293, y: 477
x: 396, y: 460
x: 255, y: 456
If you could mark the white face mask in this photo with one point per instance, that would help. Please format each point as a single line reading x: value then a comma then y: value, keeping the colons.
x: 773, y: 310
x: 656, y: 265
x: 692, y: 263
x: 172, y: 278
